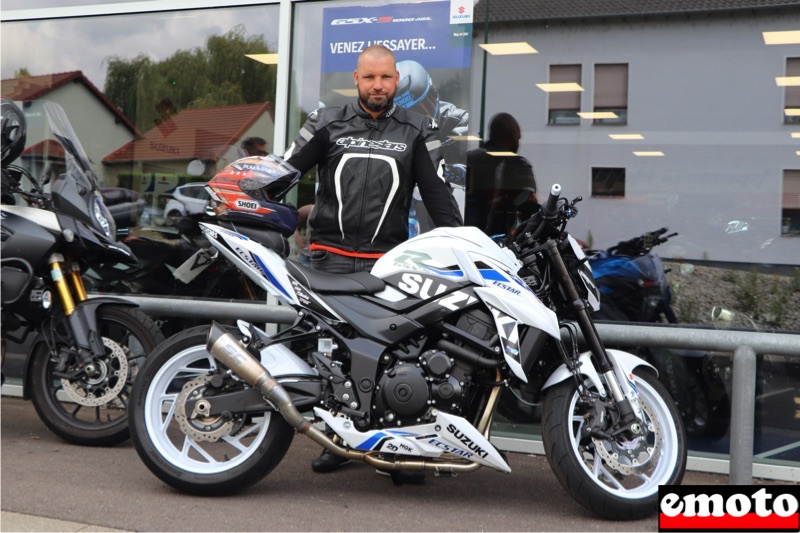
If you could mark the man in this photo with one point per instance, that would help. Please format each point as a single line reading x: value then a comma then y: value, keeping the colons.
x: 369, y: 156
x: 254, y: 146
x: 501, y: 188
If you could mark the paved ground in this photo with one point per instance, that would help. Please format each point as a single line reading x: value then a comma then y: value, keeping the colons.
x: 49, y: 485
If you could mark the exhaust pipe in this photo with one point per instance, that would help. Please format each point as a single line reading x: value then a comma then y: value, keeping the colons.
x: 227, y: 349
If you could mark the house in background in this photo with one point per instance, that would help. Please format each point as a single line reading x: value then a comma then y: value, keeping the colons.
x: 100, y: 126
x: 705, y: 126
x: 190, y: 145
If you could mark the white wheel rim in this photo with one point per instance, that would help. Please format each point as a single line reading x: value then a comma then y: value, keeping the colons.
x: 632, y: 487
x: 163, y: 430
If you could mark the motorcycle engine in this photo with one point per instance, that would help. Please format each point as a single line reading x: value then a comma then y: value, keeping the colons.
x: 408, y: 390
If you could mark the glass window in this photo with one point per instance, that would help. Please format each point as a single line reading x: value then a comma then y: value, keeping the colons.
x: 791, y: 203
x: 611, y: 93
x: 157, y: 99
x: 791, y: 111
x: 564, y: 100
x: 608, y: 182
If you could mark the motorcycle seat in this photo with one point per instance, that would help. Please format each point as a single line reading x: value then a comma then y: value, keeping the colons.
x: 317, y: 281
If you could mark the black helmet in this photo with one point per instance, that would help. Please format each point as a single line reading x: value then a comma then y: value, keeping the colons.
x: 416, y: 90
x: 13, y: 131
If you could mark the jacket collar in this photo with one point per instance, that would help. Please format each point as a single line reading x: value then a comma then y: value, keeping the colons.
x: 386, y: 114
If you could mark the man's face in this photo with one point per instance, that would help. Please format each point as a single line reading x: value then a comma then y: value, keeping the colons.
x: 376, y: 79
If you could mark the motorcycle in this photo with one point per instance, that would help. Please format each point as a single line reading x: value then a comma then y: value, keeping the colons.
x: 175, y: 261
x: 85, y: 352
x: 634, y: 288
x: 405, y: 365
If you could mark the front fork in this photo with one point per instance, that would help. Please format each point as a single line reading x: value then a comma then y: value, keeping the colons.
x: 82, y: 320
x: 628, y: 419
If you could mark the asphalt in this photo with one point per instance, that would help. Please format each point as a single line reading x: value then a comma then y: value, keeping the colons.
x: 49, y: 485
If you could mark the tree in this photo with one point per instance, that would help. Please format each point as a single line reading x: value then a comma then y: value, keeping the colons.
x: 218, y: 74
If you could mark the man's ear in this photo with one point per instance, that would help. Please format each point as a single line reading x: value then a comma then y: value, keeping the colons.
x: 355, y: 78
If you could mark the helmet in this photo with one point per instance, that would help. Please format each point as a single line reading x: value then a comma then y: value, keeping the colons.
x: 250, y: 188
x: 13, y: 131
x: 416, y: 90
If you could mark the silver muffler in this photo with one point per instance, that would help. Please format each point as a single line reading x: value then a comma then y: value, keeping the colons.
x: 227, y: 349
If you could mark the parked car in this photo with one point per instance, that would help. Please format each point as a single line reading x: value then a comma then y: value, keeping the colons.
x: 188, y: 199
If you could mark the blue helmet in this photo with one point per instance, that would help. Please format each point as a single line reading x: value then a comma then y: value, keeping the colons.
x: 416, y: 90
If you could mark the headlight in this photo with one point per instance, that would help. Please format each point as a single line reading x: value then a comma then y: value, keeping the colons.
x: 103, y: 218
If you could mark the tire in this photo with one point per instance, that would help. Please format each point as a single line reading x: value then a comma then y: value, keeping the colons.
x: 94, y: 412
x: 588, y: 477
x: 245, y: 453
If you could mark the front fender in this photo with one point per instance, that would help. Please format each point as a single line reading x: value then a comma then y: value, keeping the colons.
x: 623, y: 363
x: 97, y: 301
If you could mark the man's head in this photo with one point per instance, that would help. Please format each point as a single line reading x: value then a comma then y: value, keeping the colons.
x: 504, y: 131
x: 376, y: 79
x: 255, y: 146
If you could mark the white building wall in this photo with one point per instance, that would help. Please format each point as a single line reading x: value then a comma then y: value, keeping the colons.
x: 701, y: 89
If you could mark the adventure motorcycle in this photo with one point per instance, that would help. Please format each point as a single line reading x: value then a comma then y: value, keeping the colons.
x: 86, y: 352
x: 405, y: 365
x: 634, y: 288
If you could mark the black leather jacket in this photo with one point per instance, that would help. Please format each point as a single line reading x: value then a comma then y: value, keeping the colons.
x: 367, y: 170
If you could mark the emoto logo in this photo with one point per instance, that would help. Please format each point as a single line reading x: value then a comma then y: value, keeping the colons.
x: 729, y: 508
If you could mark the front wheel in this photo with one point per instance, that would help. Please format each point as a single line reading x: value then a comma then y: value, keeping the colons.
x: 211, y: 455
x: 92, y: 411
x: 617, y: 478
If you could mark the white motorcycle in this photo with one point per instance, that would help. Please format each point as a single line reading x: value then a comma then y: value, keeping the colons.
x: 405, y: 365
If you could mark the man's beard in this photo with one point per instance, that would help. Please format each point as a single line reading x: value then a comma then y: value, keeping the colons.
x: 373, y: 106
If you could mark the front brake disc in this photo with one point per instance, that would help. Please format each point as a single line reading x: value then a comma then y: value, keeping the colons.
x: 106, y: 385
x: 632, y: 457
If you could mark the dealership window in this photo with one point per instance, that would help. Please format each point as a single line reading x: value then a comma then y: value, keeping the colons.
x: 611, y: 92
x: 564, y: 106
x: 791, y: 112
x: 790, y: 214
x: 608, y: 182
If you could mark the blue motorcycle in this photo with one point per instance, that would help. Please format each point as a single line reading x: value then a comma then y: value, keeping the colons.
x: 633, y: 286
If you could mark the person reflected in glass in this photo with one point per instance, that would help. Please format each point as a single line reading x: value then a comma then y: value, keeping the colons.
x: 254, y: 146
x: 501, y: 187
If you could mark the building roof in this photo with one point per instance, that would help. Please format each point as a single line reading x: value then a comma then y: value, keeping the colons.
x: 37, y: 87
x: 193, y: 134
x: 526, y: 10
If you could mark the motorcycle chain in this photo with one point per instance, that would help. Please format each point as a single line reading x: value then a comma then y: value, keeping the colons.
x: 83, y: 391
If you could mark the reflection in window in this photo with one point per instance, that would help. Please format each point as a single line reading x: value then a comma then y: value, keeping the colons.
x: 156, y: 107
x: 564, y: 106
x: 790, y: 213
x: 608, y: 182
x: 611, y: 92
x: 791, y: 112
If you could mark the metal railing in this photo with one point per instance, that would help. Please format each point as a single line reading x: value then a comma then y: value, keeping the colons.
x: 743, y: 344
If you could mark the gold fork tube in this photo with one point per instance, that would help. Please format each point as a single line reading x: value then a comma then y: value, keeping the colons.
x: 77, y: 284
x: 57, y: 275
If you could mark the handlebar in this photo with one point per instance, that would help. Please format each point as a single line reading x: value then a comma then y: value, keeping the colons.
x: 549, y: 209
x: 642, y: 244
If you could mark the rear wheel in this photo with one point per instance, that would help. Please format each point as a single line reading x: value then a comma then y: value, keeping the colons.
x: 195, y: 454
x: 85, y: 410
x: 617, y: 478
